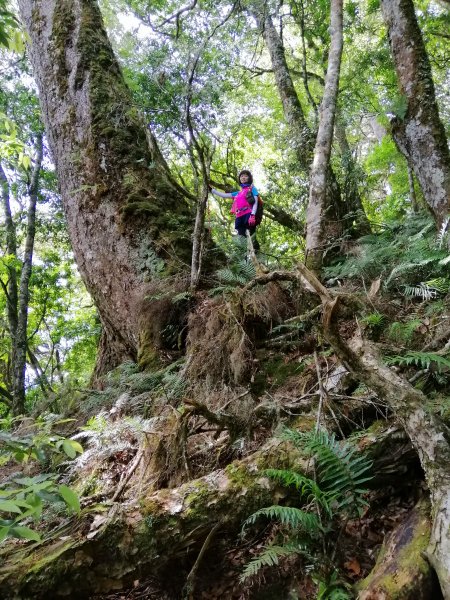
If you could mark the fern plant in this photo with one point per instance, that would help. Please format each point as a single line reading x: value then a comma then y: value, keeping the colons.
x: 403, y: 332
x: 409, y: 258
x: 422, y: 360
x: 238, y: 273
x: 336, y: 494
x: 239, y: 270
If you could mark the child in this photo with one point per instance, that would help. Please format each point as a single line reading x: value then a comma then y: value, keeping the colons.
x: 244, y: 206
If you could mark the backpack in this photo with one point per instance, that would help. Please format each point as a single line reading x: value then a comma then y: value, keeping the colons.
x: 260, y: 210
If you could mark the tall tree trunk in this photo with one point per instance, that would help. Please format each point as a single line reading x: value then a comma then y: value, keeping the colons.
x: 19, y: 360
x: 420, y: 135
x: 118, y: 200
x: 301, y: 135
x: 317, y: 206
x: 10, y: 288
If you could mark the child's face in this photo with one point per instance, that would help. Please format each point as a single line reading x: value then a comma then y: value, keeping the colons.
x: 244, y: 178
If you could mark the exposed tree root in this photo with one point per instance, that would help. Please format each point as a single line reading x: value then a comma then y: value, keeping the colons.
x: 427, y: 433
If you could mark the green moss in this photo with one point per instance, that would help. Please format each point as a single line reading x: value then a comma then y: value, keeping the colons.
x: 148, y: 356
x: 303, y: 423
x: 195, y: 500
x: 274, y: 372
x: 63, y: 26
x: 239, y: 475
x: 138, y: 205
x: 401, y: 575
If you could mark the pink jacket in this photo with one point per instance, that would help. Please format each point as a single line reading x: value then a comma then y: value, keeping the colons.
x: 240, y: 205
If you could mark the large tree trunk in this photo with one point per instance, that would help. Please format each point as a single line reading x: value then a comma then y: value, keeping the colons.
x: 419, y: 135
x: 116, y: 193
x: 316, y: 235
x: 332, y: 216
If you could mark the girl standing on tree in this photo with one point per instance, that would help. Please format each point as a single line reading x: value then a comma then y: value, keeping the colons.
x: 245, y: 205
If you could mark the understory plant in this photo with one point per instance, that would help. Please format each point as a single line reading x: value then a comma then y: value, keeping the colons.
x: 328, y: 500
x: 22, y: 499
x: 410, y: 257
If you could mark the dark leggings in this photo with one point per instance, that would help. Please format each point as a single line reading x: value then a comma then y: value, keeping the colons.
x: 241, y: 226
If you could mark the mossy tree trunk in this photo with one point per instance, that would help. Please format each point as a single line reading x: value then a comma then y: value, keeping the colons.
x: 419, y: 132
x: 117, y: 197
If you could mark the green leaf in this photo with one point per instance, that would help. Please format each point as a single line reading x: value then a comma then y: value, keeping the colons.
x: 10, y: 506
x: 25, y: 533
x: 70, y: 498
x: 4, y: 532
x: 69, y: 449
x: 30, y: 481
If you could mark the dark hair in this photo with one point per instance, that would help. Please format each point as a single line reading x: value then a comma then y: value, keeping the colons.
x: 246, y: 172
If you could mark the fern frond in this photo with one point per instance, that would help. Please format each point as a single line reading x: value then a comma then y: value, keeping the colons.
x: 403, y: 332
x: 221, y: 289
x: 187, y: 295
x: 422, y: 290
x: 269, y: 557
x: 443, y: 232
x: 247, y: 270
x: 420, y: 359
x: 340, y: 470
x: 403, y: 268
x: 289, y: 516
x: 308, y: 488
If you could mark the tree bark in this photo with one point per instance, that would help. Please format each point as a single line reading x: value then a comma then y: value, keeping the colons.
x: 119, y: 202
x: 401, y: 572
x: 316, y: 236
x: 419, y: 134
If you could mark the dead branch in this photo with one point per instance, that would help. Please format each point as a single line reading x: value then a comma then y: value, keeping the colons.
x: 220, y: 419
x: 190, y: 580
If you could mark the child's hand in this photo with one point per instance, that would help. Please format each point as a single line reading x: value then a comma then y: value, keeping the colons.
x: 252, y: 221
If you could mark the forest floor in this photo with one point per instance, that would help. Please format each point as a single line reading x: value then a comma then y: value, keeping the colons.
x: 146, y: 432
